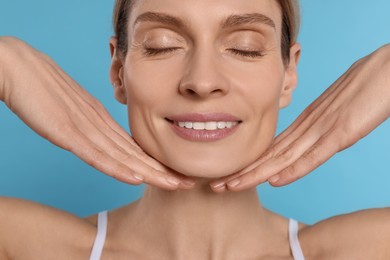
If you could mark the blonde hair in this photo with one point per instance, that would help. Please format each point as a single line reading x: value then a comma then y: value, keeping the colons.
x: 290, y: 24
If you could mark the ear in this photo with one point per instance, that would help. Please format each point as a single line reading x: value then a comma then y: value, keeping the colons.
x: 116, y: 73
x: 291, y: 76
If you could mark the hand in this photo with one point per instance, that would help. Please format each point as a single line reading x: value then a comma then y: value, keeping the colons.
x: 57, y: 108
x: 347, y: 111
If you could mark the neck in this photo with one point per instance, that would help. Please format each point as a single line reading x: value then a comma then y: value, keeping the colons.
x: 204, y: 222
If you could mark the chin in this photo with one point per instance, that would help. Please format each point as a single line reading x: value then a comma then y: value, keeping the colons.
x: 202, y: 169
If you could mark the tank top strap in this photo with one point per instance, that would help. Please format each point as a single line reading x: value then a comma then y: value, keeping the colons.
x: 100, y: 236
x: 98, y: 245
x: 294, y: 242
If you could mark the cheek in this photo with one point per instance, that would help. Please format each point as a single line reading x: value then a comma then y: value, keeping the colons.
x: 149, y: 89
x: 261, y: 93
x: 261, y: 85
x: 150, y: 82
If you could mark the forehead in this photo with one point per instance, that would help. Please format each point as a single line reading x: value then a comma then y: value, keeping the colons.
x: 207, y: 12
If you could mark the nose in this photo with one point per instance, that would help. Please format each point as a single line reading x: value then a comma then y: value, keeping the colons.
x: 203, y: 77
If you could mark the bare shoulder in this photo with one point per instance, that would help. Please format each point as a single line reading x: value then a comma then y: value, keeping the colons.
x: 31, y: 229
x: 363, y: 234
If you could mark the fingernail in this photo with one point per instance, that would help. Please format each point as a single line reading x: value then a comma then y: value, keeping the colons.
x: 233, y: 183
x: 172, y: 181
x: 138, y: 177
x: 218, y: 185
x: 274, y: 179
x: 188, y: 182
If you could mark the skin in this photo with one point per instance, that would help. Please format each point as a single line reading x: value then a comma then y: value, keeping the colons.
x: 202, y: 76
x: 69, y: 117
x: 222, y: 226
x: 321, y: 130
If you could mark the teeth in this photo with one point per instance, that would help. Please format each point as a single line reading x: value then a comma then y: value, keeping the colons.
x: 206, y: 125
x: 188, y: 125
x: 221, y: 125
x: 211, y: 126
x: 198, y: 126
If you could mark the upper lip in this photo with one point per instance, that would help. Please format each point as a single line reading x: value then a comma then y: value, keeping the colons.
x: 203, y: 117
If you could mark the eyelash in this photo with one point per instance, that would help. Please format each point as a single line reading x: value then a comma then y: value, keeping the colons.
x: 250, y: 54
x: 159, y: 51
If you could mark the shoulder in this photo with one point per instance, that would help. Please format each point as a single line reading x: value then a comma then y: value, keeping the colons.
x: 359, y: 235
x: 29, y: 228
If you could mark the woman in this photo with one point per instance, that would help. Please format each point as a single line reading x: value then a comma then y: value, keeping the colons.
x: 210, y: 112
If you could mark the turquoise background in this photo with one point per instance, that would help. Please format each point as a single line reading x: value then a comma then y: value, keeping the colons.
x: 75, y: 34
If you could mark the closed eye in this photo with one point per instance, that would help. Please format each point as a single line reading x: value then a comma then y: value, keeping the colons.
x: 159, y: 51
x: 245, y: 53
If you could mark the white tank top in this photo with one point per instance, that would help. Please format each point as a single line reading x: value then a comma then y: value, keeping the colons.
x: 102, y: 231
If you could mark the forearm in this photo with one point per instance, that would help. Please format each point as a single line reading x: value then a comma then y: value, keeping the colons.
x: 18, y: 64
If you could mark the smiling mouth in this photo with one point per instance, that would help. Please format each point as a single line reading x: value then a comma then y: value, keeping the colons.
x: 206, y: 131
x: 209, y: 126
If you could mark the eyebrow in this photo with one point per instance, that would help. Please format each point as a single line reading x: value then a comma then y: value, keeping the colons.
x: 159, y: 18
x: 230, y: 21
x: 252, y: 18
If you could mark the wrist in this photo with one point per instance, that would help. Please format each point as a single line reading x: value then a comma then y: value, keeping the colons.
x: 7, y: 55
x: 387, y: 49
x: 2, y: 61
x: 383, y: 53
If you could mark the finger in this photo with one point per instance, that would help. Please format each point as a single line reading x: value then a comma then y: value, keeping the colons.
x: 91, y: 117
x: 276, y: 164
x: 114, y: 145
x: 304, y: 127
x: 108, y: 126
x: 135, y: 161
x: 120, y: 149
x: 319, y: 153
x: 281, y: 150
x: 318, y: 122
x: 220, y: 189
x: 314, y: 110
x: 85, y: 98
x: 217, y: 185
x: 99, y: 159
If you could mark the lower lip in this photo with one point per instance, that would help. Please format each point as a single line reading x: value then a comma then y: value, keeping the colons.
x: 203, y: 135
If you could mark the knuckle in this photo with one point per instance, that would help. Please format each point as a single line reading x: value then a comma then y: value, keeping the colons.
x: 270, y: 153
x: 96, y: 104
x: 285, y: 155
x: 64, y: 136
x: 290, y: 172
x: 345, y: 136
x: 96, y: 156
x: 258, y: 176
x: 314, y: 157
x: 118, y: 172
x: 122, y: 156
x: 67, y: 129
x: 311, y: 155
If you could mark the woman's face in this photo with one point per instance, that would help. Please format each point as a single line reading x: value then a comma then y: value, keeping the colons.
x: 203, y: 81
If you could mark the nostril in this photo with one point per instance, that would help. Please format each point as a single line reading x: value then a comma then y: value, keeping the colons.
x: 216, y: 91
x: 191, y: 92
